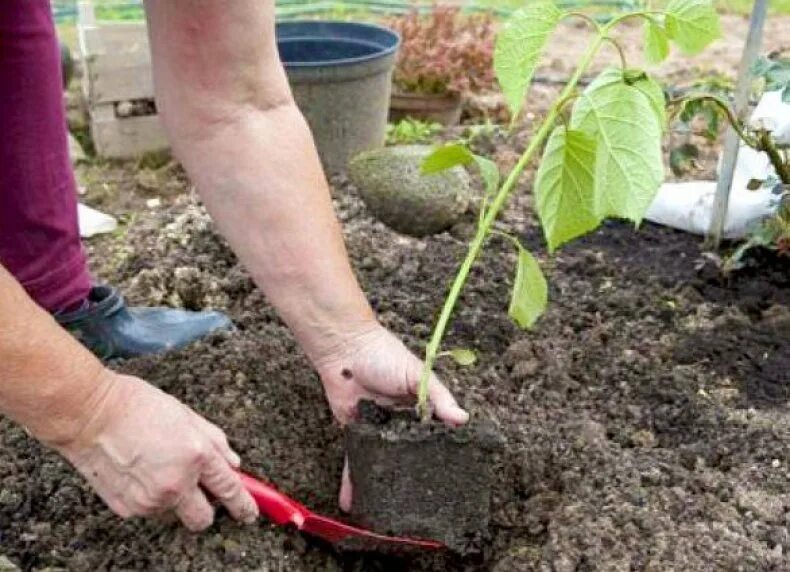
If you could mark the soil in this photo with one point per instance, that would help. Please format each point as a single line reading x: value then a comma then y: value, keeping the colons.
x: 639, y: 435
x: 422, y: 480
x: 646, y: 417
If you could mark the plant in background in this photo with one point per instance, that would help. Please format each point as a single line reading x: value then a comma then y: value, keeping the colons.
x: 602, y: 153
x: 445, y: 52
x: 716, y: 84
x: 773, y: 232
x: 775, y: 75
x: 698, y: 118
x: 409, y: 131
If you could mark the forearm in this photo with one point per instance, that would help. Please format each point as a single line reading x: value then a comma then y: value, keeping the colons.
x: 47, y: 380
x: 261, y: 180
x: 233, y: 124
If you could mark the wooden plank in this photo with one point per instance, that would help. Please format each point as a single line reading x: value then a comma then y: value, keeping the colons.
x: 111, y: 79
x: 129, y: 137
x: 114, y: 38
x: 86, y: 16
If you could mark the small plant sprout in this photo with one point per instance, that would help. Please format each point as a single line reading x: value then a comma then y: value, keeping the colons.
x: 602, y: 154
x: 409, y: 131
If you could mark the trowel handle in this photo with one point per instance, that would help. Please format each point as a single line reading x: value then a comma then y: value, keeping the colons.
x: 279, y: 508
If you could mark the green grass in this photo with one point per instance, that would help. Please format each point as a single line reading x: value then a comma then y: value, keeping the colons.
x: 776, y: 7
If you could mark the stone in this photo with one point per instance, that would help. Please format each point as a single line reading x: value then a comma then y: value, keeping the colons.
x: 124, y: 109
x: 391, y: 184
x: 6, y: 565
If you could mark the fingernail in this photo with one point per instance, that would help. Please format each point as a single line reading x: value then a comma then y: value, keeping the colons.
x: 251, y: 516
x: 460, y: 416
x: 234, y: 459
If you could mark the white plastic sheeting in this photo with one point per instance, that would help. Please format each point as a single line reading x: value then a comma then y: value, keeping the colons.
x: 689, y: 206
x: 93, y: 222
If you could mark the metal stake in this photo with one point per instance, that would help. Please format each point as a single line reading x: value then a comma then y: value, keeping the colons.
x: 731, y: 143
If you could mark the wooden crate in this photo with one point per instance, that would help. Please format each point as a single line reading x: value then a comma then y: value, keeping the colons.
x: 117, y: 68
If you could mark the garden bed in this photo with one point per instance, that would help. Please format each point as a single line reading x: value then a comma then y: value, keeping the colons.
x: 646, y: 417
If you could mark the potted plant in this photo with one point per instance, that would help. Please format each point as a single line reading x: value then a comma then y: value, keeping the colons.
x: 602, y: 158
x: 443, y: 55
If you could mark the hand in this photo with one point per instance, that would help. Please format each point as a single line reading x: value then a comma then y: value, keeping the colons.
x: 145, y: 453
x: 376, y: 365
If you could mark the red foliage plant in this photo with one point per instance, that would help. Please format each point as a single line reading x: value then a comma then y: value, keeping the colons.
x: 444, y: 52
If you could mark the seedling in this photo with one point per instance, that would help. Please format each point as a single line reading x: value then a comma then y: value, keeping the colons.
x: 602, y: 155
x: 411, y: 131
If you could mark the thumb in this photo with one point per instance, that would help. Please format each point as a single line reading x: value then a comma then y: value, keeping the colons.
x: 344, y: 499
x: 445, y: 405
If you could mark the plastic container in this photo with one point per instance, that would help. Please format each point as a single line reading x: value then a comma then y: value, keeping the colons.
x: 341, y: 77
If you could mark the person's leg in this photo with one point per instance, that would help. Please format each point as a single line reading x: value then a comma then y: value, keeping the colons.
x: 39, y: 236
x: 39, y: 232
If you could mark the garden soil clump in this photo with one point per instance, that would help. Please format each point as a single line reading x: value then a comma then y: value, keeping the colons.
x: 422, y: 480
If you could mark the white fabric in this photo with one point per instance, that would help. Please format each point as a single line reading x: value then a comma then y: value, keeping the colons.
x: 93, y: 222
x: 689, y: 206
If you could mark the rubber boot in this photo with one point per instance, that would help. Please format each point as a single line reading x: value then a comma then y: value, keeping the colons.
x: 110, y: 329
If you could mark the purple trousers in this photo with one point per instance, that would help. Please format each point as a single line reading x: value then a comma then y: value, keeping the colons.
x: 39, y: 237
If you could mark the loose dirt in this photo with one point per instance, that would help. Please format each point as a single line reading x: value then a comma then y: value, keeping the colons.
x: 646, y: 417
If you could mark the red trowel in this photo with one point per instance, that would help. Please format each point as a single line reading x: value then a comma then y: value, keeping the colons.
x: 283, y: 510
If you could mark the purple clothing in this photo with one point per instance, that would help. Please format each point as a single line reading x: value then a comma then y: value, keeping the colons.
x: 39, y: 236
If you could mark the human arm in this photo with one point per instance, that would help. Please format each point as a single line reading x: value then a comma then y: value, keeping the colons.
x: 142, y: 450
x: 226, y: 105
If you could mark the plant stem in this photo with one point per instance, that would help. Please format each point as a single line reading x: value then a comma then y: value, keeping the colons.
x: 484, y: 227
x: 765, y: 143
x: 620, y: 52
x: 736, y: 123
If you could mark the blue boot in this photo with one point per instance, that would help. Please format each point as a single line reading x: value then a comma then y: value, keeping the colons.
x: 111, y: 330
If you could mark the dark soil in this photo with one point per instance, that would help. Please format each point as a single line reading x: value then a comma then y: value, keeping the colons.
x: 422, y: 480
x: 646, y: 417
x: 639, y: 434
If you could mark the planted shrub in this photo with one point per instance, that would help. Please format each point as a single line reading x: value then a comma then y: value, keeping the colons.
x: 602, y: 156
x: 445, y: 52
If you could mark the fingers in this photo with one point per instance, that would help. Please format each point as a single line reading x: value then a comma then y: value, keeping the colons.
x: 445, y: 405
x: 344, y: 500
x: 195, y: 511
x: 221, y: 481
x: 220, y: 442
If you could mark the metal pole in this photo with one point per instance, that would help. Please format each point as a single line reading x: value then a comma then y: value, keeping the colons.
x: 731, y: 142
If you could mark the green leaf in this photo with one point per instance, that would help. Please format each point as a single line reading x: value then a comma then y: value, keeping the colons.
x: 656, y: 42
x: 642, y: 81
x: 454, y: 154
x: 446, y: 157
x: 565, y: 187
x: 776, y: 74
x: 518, y: 47
x: 692, y: 24
x: 627, y: 132
x: 683, y: 158
x: 463, y: 356
x: 490, y: 173
x: 530, y: 291
x: 655, y: 94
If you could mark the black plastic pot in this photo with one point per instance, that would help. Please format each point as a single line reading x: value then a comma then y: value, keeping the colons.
x: 341, y: 77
